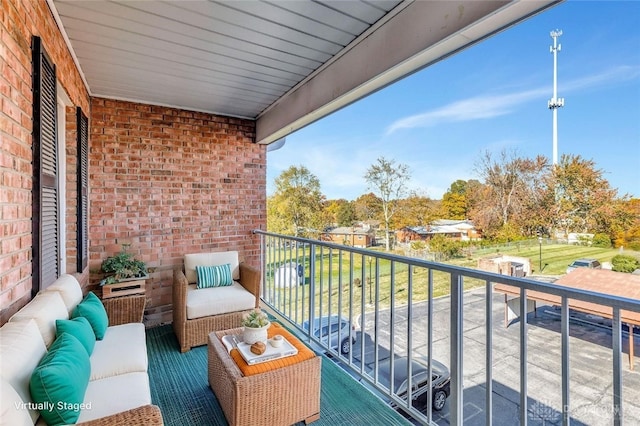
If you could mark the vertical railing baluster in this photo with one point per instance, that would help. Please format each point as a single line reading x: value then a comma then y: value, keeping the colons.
x: 489, y: 353
x: 430, y: 344
x: 616, y: 335
x: 409, y: 335
x: 340, y: 289
x: 263, y: 264
x: 300, y: 282
x: 321, y: 292
x: 564, y: 325
x: 523, y: 357
x: 377, y: 325
x: 312, y: 285
x: 276, y: 289
x: 363, y: 292
x: 456, y: 350
x: 392, y: 321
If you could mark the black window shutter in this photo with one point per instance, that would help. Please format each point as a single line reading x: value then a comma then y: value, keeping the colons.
x: 83, y: 189
x: 46, y: 235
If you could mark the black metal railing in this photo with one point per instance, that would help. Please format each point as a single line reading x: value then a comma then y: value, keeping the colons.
x: 318, y: 285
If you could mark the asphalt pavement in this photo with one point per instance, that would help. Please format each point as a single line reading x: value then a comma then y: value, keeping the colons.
x: 590, y: 375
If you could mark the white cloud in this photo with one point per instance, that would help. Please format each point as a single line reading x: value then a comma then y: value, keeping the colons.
x: 469, y: 109
x: 489, y: 106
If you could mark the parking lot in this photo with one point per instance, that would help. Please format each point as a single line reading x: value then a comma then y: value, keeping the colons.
x: 590, y: 362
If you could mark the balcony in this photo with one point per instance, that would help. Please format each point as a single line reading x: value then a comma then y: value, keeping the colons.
x: 552, y: 358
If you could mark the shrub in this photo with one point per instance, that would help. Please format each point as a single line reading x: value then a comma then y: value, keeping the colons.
x: 601, y: 240
x: 418, y: 245
x: 624, y: 263
x: 444, y: 246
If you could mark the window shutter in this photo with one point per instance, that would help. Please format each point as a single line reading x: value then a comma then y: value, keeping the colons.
x: 83, y: 190
x: 46, y: 235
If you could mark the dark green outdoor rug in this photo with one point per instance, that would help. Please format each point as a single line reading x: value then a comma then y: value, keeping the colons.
x: 179, y: 386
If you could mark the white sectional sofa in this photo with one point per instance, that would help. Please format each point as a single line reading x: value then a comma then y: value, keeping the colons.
x: 117, y: 391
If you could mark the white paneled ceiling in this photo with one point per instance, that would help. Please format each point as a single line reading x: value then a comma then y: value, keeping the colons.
x: 244, y: 58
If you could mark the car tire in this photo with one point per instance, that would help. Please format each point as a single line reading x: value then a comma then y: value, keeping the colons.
x: 439, y: 399
x: 345, y: 347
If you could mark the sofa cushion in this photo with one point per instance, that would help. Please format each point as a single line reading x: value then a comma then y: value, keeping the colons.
x: 115, y: 394
x: 70, y: 290
x: 213, y: 276
x: 60, y: 380
x: 123, y: 350
x: 93, y: 310
x: 80, y: 329
x: 218, y: 300
x: 21, y: 349
x: 45, y: 309
x: 13, y: 410
x: 210, y: 259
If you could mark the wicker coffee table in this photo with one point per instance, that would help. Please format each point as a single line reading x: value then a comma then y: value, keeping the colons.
x: 282, y: 396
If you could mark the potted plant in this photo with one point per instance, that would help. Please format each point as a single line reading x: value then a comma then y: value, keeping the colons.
x: 123, y: 267
x: 255, y: 325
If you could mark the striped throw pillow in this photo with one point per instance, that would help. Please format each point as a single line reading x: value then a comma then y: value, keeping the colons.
x: 213, y: 276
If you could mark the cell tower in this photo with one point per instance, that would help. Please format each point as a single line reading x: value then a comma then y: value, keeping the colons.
x: 555, y: 102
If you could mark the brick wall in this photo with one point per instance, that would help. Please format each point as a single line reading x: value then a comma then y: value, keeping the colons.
x: 167, y: 181
x: 171, y: 182
x: 19, y: 20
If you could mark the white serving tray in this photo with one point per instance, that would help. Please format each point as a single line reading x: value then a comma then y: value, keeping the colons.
x: 284, y: 350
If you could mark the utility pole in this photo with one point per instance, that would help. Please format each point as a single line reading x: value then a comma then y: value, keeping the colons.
x: 555, y: 102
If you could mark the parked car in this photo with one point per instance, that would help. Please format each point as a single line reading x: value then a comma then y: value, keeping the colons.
x: 326, y: 329
x: 584, y: 263
x: 440, y: 379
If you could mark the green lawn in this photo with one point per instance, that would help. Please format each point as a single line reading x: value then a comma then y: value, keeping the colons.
x: 555, y: 257
x: 335, y: 286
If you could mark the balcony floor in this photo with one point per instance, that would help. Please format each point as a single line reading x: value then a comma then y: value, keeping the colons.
x: 179, y: 386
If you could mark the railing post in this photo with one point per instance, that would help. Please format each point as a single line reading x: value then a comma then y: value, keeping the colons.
x: 457, y: 328
x: 566, y: 412
x: 616, y: 334
x: 489, y: 353
x: 523, y: 357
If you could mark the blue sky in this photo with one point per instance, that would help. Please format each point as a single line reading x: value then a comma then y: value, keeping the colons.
x: 491, y: 97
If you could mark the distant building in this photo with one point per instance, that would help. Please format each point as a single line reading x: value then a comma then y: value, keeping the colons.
x: 351, y: 235
x: 461, y: 230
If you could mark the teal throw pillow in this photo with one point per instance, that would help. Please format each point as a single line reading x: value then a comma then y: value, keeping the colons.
x: 213, y: 276
x: 60, y: 380
x: 93, y: 310
x: 80, y: 329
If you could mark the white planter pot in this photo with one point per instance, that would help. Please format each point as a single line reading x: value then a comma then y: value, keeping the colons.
x: 252, y: 335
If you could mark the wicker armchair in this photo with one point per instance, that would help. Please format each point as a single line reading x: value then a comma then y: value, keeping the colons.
x: 193, y: 332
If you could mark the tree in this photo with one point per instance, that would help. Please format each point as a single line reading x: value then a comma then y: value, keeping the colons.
x: 415, y: 210
x: 584, y: 201
x: 346, y: 215
x: 629, y: 236
x: 460, y: 198
x: 388, y: 181
x: 297, y: 202
x: 367, y: 207
x: 341, y: 212
x: 512, y: 193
